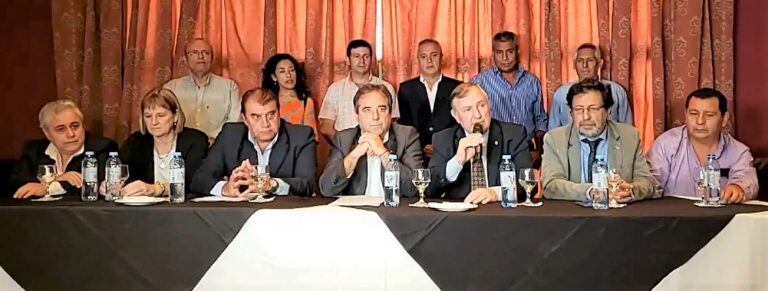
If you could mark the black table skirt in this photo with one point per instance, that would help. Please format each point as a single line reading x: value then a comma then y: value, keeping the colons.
x: 70, y: 245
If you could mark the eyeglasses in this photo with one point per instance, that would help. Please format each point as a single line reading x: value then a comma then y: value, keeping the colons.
x: 199, y: 53
x: 589, y: 110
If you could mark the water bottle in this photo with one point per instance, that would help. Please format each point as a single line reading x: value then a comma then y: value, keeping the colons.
x: 712, y: 180
x: 508, y: 177
x: 599, y: 190
x: 90, y: 169
x: 112, y: 177
x: 176, y: 178
x: 392, y: 183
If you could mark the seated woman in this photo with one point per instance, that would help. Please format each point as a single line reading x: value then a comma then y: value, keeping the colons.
x: 286, y: 79
x: 65, y: 145
x: 149, y: 151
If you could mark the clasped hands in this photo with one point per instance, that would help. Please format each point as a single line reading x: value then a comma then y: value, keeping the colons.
x: 241, y: 182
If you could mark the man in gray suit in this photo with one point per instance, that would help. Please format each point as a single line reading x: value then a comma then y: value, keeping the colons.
x: 359, y: 155
x: 570, y: 150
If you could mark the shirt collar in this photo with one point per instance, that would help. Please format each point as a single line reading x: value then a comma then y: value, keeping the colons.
x: 721, y: 142
x: 424, y: 81
x: 205, y: 84
x: 256, y: 145
x: 52, y: 152
x: 349, y: 78
x: 520, y: 71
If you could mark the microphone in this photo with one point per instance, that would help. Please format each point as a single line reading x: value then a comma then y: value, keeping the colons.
x: 478, y: 128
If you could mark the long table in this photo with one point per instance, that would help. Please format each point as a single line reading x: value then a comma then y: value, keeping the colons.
x: 72, y: 245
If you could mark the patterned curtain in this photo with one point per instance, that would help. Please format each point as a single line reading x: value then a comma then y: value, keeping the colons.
x: 658, y: 50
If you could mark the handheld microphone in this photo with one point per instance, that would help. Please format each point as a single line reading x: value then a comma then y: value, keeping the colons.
x: 478, y: 128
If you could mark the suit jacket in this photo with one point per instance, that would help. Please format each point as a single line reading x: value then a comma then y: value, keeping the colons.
x: 414, y: 107
x: 34, y: 155
x: 503, y: 139
x: 292, y: 159
x: 138, y: 153
x: 561, y: 162
x: 403, y: 141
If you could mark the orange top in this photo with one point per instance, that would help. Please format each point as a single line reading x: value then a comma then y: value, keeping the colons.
x: 294, y: 111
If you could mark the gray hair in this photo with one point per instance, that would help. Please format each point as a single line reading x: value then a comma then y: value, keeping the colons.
x: 55, y: 107
x: 587, y: 45
x: 463, y: 90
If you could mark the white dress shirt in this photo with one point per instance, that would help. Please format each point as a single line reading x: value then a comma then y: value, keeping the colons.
x: 431, y: 92
x: 263, y: 159
x: 61, y: 166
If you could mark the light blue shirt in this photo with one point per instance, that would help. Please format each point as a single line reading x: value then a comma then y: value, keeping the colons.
x: 602, y: 151
x: 560, y: 113
x: 520, y: 103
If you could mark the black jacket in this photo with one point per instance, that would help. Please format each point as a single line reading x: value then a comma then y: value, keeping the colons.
x: 293, y: 158
x: 34, y: 155
x: 138, y: 153
x: 414, y: 107
x: 503, y: 139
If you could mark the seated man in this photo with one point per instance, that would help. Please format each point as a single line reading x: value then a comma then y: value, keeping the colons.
x: 375, y: 137
x: 261, y: 139
x: 677, y: 153
x: 570, y: 151
x: 455, y: 146
x: 65, y: 144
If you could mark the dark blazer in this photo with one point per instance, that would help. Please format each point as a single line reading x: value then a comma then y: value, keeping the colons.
x: 293, y: 158
x: 403, y: 141
x: 138, y: 153
x: 34, y: 155
x: 414, y: 107
x: 503, y: 139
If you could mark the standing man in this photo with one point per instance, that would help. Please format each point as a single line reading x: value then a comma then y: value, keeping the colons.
x: 425, y: 101
x: 588, y: 62
x: 208, y: 100
x: 337, y: 112
x: 515, y: 94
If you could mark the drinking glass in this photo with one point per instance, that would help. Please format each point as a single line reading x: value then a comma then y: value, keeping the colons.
x: 421, y: 179
x: 46, y: 174
x: 528, y: 180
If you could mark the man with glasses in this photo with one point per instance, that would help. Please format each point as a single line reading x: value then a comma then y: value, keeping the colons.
x: 208, y: 100
x: 570, y: 151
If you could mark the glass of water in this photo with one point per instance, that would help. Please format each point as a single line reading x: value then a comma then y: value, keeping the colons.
x: 260, y: 177
x: 528, y: 180
x: 614, y: 179
x: 46, y: 174
x: 421, y: 179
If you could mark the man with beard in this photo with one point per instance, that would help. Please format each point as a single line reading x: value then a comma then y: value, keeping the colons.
x: 570, y: 151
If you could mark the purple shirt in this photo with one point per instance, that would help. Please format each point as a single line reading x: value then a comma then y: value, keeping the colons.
x: 673, y: 163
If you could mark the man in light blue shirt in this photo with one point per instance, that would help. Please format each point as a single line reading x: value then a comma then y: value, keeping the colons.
x: 587, y: 62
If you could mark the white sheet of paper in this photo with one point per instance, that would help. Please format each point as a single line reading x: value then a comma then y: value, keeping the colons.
x: 219, y: 199
x: 358, y: 200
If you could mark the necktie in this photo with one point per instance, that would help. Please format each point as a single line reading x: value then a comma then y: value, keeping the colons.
x: 478, y: 172
x: 592, y: 155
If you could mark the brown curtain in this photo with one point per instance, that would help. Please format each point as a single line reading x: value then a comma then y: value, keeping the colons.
x: 110, y: 53
x: 658, y: 50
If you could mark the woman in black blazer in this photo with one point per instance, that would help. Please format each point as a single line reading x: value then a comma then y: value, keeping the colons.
x: 149, y: 151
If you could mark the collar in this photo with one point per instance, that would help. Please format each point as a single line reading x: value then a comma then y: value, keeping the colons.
x: 349, y: 78
x: 721, y: 142
x: 205, y: 84
x: 52, y: 152
x: 603, y: 135
x: 520, y: 71
x: 424, y: 81
x: 256, y: 144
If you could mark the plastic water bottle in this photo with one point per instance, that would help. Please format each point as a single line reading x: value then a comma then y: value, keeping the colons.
x: 176, y: 178
x: 90, y: 170
x: 392, y: 183
x: 112, y: 177
x: 508, y: 177
x: 599, y: 190
x: 712, y: 180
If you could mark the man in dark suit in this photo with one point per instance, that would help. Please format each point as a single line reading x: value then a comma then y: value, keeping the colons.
x: 65, y: 145
x: 359, y: 155
x: 425, y: 100
x: 456, y: 146
x: 262, y: 138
